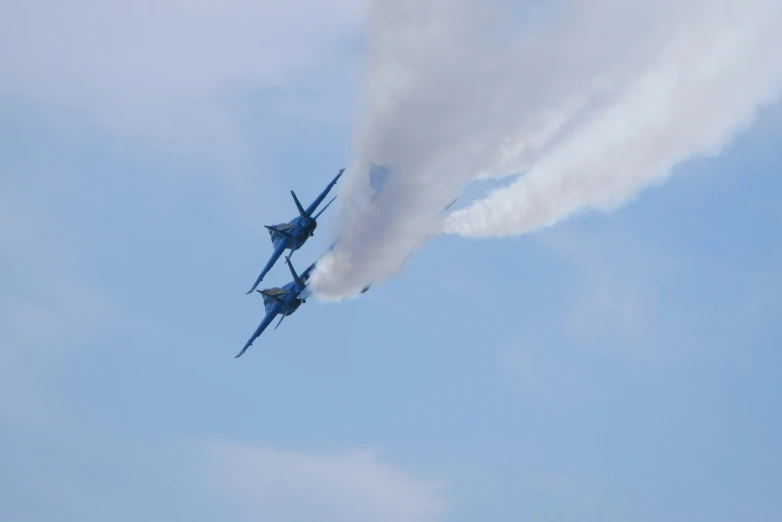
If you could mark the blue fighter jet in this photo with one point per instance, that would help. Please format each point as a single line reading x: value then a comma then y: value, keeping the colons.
x: 281, y: 301
x: 294, y: 234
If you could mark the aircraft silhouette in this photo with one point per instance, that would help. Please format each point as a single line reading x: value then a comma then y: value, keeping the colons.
x: 294, y: 234
x: 281, y: 301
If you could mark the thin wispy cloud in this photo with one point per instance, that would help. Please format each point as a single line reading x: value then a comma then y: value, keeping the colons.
x: 168, y: 75
x: 47, y: 308
x: 347, y: 487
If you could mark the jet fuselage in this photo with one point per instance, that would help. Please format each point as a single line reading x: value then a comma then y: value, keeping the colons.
x: 294, y: 233
x: 287, y: 298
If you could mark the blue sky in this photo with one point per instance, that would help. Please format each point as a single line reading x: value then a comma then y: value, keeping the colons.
x: 616, y: 367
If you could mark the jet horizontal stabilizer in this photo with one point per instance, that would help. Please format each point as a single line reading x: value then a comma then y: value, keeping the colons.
x: 270, y: 296
x: 281, y: 232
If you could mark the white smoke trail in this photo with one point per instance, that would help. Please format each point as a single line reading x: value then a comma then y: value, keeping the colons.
x: 712, y: 73
x: 593, y: 97
x: 416, y: 52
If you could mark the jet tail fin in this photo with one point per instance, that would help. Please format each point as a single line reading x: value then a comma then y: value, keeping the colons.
x: 293, y: 271
x: 298, y: 205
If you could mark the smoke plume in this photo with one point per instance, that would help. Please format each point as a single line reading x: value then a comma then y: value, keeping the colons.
x: 591, y: 100
x: 707, y: 79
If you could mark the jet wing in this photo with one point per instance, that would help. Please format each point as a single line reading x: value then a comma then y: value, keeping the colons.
x: 267, y: 320
x: 275, y: 256
x: 323, y: 194
x: 305, y: 276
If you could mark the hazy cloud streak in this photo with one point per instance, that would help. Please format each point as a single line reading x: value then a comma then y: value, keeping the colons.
x: 352, y: 486
x: 167, y: 73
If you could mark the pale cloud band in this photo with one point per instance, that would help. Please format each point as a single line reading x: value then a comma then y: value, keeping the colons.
x: 346, y: 486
